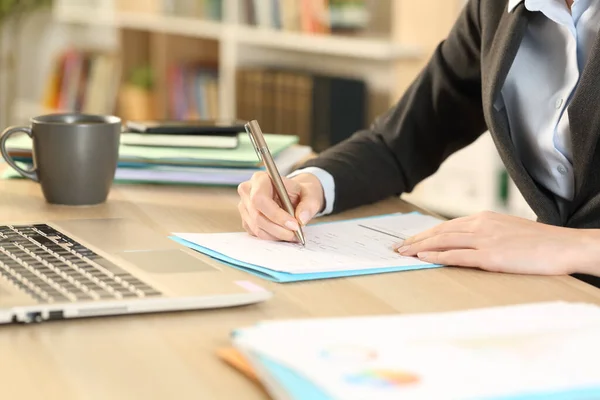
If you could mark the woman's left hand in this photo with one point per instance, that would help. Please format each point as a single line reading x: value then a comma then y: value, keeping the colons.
x: 504, y: 243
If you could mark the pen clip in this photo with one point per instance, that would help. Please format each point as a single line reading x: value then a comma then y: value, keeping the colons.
x: 254, y: 144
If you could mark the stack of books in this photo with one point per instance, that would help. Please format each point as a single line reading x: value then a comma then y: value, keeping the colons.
x: 83, y: 81
x: 530, y: 351
x: 193, y: 91
x: 321, y: 109
x: 181, y: 164
x: 211, y: 10
x: 307, y: 16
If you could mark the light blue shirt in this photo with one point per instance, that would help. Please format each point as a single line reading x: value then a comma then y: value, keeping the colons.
x: 537, y: 92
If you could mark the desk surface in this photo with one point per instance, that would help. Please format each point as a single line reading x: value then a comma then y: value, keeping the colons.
x: 164, y: 356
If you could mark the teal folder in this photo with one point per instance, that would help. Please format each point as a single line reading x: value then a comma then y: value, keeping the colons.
x: 244, y: 156
x: 296, y: 386
x: 299, y: 388
x: 284, y: 277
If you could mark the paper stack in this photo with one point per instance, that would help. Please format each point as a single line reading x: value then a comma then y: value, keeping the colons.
x: 533, y: 351
x: 186, y: 165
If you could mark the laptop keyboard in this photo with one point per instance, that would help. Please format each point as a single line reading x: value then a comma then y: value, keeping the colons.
x: 53, y: 268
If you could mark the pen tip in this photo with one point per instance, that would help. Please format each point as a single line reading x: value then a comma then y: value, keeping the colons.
x: 300, y: 237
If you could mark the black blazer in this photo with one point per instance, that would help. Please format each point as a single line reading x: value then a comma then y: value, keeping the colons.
x: 450, y: 104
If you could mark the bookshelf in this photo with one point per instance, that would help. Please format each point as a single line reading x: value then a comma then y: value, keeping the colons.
x: 375, y: 49
x: 185, y: 26
x: 387, y: 53
x: 361, y: 48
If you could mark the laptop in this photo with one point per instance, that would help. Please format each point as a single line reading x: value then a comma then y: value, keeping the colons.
x: 100, y: 267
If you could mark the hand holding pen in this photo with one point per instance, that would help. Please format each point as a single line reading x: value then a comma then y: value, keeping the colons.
x: 273, y: 207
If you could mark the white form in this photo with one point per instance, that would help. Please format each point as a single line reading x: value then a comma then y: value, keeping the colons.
x: 334, y: 246
x: 538, y: 349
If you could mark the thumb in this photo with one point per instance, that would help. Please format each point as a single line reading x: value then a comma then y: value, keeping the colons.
x: 308, y: 207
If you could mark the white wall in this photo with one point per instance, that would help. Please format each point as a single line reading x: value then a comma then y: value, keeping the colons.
x: 5, y: 39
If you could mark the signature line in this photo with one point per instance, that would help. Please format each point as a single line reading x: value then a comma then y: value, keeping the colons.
x: 385, y: 233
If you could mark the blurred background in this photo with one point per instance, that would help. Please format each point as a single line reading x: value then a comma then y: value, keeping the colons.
x: 318, y: 69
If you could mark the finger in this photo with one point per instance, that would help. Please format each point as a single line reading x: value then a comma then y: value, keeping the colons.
x: 252, y: 211
x: 309, y: 205
x: 266, y: 236
x: 443, y: 241
x: 257, y: 222
x: 262, y: 200
x: 274, y: 230
x: 247, y: 228
x: 453, y: 226
x: 251, y: 227
x: 244, y: 188
x: 245, y: 218
x: 461, y: 258
x: 244, y: 192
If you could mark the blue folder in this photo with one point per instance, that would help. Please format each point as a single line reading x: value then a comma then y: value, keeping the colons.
x: 298, y: 387
x: 284, y: 277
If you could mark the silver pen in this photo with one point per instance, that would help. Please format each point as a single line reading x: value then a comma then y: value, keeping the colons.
x: 264, y: 155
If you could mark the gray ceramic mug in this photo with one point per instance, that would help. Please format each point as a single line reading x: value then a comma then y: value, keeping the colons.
x: 74, y: 156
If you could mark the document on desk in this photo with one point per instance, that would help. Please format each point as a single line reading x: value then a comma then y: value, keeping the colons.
x: 529, y: 351
x: 333, y: 249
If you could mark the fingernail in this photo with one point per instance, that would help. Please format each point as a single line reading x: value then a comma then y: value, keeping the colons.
x: 304, y: 217
x: 402, y: 249
x: 423, y: 256
x: 291, y: 225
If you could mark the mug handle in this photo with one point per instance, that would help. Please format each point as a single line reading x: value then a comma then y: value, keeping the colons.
x: 31, y: 173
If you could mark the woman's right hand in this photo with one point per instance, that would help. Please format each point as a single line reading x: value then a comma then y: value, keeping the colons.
x: 261, y: 210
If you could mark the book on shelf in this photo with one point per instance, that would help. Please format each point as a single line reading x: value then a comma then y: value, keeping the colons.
x: 83, y: 81
x: 193, y: 91
x: 321, y: 110
x: 200, y: 9
x: 308, y: 16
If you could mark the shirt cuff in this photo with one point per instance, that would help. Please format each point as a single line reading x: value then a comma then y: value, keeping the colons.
x: 326, y: 181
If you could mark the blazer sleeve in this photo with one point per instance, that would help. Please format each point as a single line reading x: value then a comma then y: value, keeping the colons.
x: 440, y: 113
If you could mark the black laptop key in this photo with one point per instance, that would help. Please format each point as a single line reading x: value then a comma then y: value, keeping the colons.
x: 54, y: 247
x: 103, y: 294
x: 68, y: 274
x: 48, y: 230
x: 43, y: 240
x: 128, y: 294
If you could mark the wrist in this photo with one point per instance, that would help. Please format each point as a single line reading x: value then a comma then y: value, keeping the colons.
x: 587, y: 259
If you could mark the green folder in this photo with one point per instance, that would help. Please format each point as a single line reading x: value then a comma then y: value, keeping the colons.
x: 244, y: 156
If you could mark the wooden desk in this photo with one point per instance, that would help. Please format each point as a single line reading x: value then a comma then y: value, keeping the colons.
x: 171, y: 356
